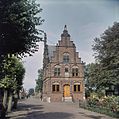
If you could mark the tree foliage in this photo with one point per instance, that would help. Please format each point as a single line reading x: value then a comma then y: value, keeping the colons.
x: 39, y: 81
x: 106, y: 48
x: 95, y: 78
x: 31, y: 92
x: 11, y: 82
x: 18, y: 26
x: 19, y: 34
x: 103, y: 74
x: 13, y: 74
x: 92, y: 76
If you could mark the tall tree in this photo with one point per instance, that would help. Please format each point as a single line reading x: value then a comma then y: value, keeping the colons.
x: 18, y: 26
x: 19, y: 75
x: 106, y: 52
x: 95, y: 80
x: 19, y: 33
x: 39, y: 81
x: 14, y: 72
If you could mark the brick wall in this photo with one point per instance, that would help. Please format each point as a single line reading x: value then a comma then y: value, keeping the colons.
x: 65, y: 45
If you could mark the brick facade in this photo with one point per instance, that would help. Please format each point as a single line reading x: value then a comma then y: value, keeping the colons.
x: 63, y: 71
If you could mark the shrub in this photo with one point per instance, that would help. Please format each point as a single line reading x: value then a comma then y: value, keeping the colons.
x: 106, y: 105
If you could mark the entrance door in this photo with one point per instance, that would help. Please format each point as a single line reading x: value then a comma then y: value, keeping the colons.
x: 67, y: 90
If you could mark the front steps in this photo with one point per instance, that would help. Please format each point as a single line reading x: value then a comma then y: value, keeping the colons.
x: 67, y: 99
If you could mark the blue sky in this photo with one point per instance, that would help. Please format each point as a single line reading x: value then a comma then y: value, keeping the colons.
x: 85, y: 19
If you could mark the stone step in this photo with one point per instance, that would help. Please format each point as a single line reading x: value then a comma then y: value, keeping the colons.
x: 67, y: 99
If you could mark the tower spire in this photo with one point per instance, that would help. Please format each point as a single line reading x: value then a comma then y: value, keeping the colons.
x: 65, y: 32
x: 65, y: 27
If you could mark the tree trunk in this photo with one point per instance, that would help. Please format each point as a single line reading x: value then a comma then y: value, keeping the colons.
x: 10, y: 102
x: 15, y: 101
x: 1, y: 97
x: 4, y: 104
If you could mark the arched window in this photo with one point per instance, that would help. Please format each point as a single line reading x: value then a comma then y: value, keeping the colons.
x: 65, y: 58
x: 57, y: 71
x: 75, y: 71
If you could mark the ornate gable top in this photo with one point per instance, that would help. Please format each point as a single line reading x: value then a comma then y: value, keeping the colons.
x: 65, y: 32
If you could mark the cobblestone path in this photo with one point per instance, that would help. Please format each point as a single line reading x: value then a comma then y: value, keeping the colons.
x: 33, y: 108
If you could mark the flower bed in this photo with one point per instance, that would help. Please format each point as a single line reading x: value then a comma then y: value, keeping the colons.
x: 106, y: 105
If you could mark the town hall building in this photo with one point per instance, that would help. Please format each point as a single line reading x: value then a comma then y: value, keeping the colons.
x: 63, y: 71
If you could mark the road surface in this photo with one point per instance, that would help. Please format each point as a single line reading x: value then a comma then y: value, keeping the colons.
x: 33, y: 108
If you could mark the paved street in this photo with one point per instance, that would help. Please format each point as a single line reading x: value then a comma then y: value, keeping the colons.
x: 33, y: 108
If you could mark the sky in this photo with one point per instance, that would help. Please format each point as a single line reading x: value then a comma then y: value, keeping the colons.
x: 85, y: 20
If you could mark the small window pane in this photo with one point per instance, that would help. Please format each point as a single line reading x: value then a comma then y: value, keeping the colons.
x: 66, y: 69
x: 66, y: 58
x: 78, y: 87
x: 53, y: 87
x: 56, y: 71
x: 57, y: 87
x: 75, y: 72
x: 75, y: 88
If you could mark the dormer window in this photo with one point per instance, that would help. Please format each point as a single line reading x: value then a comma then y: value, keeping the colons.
x: 65, y: 58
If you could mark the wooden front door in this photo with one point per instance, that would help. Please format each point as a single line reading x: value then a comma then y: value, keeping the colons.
x: 67, y: 90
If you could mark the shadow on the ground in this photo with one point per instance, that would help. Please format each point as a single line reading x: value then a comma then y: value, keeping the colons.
x: 28, y: 107
x: 48, y: 115
x: 29, y: 111
x: 23, y: 110
x: 91, y: 116
x: 41, y: 115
